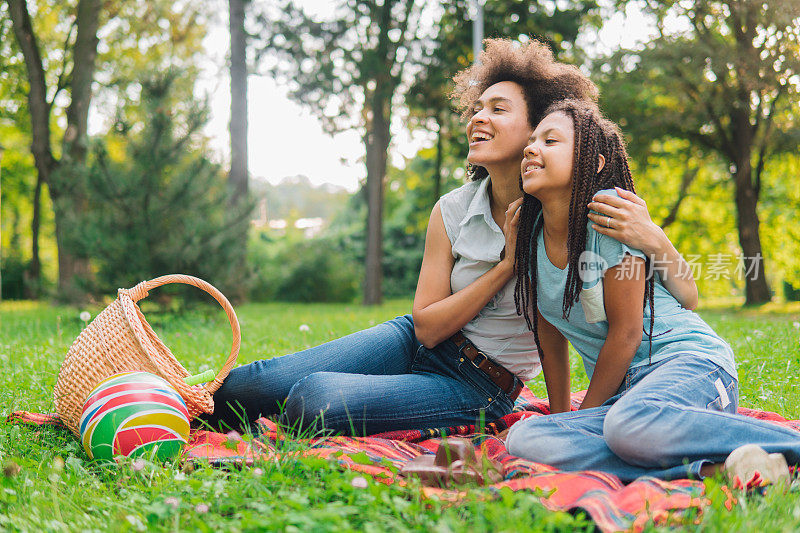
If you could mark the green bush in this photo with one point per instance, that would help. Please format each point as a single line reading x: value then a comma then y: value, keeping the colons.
x: 295, y: 269
x: 403, y: 243
x: 790, y: 292
x: 13, y: 270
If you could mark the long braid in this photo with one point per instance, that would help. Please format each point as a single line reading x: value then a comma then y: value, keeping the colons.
x: 649, y: 296
x: 590, y: 142
x: 584, y: 177
x: 525, y: 294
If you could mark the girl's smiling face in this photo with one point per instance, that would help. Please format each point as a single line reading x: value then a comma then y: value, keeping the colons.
x: 499, y: 128
x: 547, y: 162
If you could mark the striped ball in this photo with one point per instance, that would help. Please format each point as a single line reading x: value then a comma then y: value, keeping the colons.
x: 134, y: 414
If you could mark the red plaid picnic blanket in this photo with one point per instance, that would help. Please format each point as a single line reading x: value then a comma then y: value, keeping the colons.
x: 611, y: 504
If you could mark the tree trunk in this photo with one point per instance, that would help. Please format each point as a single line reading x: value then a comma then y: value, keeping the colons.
x: 742, y: 133
x: 689, y: 174
x: 73, y: 266
x: 237, y: 178
x: 377, y: 145
x: 84, y: 53
x: 39, y: 111
x: 33, y: 275
x: 73, y: 270
x: 756, y: 288
x: 437, y: 171
x: 66, y: 192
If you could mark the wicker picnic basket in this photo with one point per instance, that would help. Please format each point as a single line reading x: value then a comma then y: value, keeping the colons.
x: 119, y: 339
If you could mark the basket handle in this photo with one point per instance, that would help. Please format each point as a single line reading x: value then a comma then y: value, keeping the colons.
x: 141, y: 291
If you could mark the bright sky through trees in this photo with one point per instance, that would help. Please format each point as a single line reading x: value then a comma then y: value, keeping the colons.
x: 285, y: 140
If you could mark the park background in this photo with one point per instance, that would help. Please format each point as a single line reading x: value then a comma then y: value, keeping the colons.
x: 119, y: 166
x: 118, y: 163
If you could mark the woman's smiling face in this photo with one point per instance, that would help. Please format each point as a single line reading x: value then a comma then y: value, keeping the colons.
x: 499, y: 128
x: 547, y: 161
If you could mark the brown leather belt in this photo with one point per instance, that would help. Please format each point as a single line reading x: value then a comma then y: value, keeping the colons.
x: 499, y: 375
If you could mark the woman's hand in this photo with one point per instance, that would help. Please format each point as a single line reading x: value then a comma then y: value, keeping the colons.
x: 510, y: 229
x: 437, y: 312
x: 627, y: 220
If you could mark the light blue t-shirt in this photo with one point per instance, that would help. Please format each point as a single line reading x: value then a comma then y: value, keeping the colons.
x: 676, y: 330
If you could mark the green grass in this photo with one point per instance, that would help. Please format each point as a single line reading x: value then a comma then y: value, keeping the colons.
x: 49, y: 484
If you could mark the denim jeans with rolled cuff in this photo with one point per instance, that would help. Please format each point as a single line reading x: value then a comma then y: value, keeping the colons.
x: 375, y: 380
x: 667, y: 420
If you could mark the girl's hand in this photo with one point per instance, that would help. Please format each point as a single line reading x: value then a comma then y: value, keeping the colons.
x: 510, y: 228
x: 627, y: 220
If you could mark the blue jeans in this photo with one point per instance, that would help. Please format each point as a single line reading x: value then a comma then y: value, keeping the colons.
x: 667, y: 420
x: 376, y: 380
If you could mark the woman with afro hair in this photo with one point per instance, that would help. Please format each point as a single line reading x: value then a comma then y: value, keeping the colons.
x: 463, y: 354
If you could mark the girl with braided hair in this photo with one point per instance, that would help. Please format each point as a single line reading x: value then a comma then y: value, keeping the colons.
x: 662, y: 395
x: 465, y: 352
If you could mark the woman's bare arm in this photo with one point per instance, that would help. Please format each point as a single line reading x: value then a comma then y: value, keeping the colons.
x: 630, y: 224
x: 437, y: 313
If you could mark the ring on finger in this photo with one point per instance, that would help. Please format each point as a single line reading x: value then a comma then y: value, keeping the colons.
x: 608, y: 222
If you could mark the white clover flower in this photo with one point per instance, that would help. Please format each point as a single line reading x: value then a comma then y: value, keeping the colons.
x: 172, y: 500
x: 796, y: 325
x: 85, y: 316
x: 359, y: 482
x: 304, y: 328
x: 257, y: 471
x: 201, y: 508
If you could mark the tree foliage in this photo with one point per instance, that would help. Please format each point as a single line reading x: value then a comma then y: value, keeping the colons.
x: 726, y: 80
x: 132, y: 37
x: 448, y: 49
x: 709, y: 106
x: 159, y: 205
x: 347, y: 70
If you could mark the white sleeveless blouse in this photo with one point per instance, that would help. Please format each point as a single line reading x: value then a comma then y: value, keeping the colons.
x: 476, y: 243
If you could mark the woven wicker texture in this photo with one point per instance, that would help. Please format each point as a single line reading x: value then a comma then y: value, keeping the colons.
x: 119, y: 339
